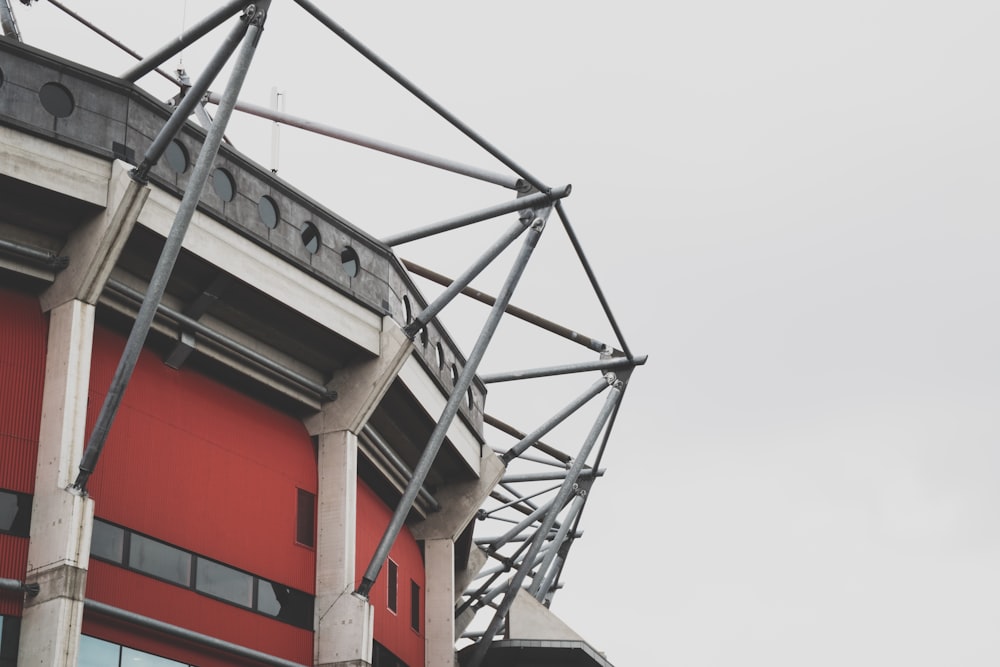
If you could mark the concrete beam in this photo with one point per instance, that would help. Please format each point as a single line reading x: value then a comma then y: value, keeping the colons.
x: 343, y: 622
x: 361, y: 387
x: 244, y: 259
x: 460, y: 501
x: 439, y: 603
x: 54, y: 167
x: 477, y: 559
x: 530, y: 619
x: 61, y: 521
x: 94, y: 249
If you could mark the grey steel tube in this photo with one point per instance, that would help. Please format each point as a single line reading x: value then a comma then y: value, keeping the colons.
x: 513, y: 311
x: 523, y: 525
x: 540, y: 584
x: 546, y: 476
x: 591, y: 277
x: 189, y: 102
x: 187, y: 635
x: 215, y: 336
x: 165, y: 265
x: 400, y: 464
x: 43, y: 257
x: 479, y: 652
x: 549, y: 371
x: 507, y: 487
x: 553, y: 421
x: 495, y: 211
x: 480, y: 541
x: 450, y: 410
x: 418, y: 93
x: 8, y: 23
x: 519, y: 499
x: 430, y: 160
x: 514, y: 433
x: 11, y: 584
x: 193, y: 34
x: 431, y: 310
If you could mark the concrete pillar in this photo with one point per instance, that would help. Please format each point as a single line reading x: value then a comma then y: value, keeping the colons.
x: 61, y: 520
x: 439, y: 603
x: 344, y: 622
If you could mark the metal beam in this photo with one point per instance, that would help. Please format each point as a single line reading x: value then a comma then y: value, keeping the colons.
x: 451, y: 408
x: 514, y: 205
x: 611, y: 364
x: 171, y: 250
x: 386, y: 147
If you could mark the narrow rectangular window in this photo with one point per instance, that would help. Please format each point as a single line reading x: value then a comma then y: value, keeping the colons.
x: 392, y: 572
x: 108, y: 542
x: 160, y: 560
x: 305, y: 519
x: 414, y: 606
x: 15, y: 513
x: 224, y: 582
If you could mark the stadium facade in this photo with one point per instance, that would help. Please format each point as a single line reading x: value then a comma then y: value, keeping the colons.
x: 288, y: 466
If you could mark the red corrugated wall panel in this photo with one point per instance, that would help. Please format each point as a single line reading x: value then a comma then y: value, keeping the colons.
x: 23, y: 340
x: 197, y: 464
x: 391, y: 630
x: 185, y: 608
x: 13, y: 565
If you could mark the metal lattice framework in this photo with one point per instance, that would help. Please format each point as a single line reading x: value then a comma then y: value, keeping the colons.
x: 533, y: 518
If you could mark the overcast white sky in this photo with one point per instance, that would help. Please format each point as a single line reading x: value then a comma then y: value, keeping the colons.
x: 792, y: 207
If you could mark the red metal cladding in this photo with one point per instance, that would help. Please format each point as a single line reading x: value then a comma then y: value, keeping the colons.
x: 182, y: 607
x: 392, y: 630
x: 13, y: 565
x: 23, y: 340
x: 198, y: 464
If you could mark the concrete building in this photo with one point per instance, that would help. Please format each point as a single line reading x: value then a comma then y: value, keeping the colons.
x: 294, y: 465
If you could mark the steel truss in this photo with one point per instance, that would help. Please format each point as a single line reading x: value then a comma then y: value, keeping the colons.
x: 531, y: 554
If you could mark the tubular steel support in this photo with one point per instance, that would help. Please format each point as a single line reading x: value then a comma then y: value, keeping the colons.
x: 602, y: 365
x: 437, y: 437
x: 187, y: 635
x: 190, y: 101
x: 520, y: 204
x: 283, y: 118
x: 418, y: 93
x: 171, y: 250
x: 513, y: 311
x: 427, y: 314
x: 543, y: 578
x: 523, y: 525
x: 8, y: 24
x: 561, y: 212
x: 547, y: 476
x: 483, y: 645
x: 554, y: 421
x: 196, y: 32
x: 15, y: 586
x: 404, y: 470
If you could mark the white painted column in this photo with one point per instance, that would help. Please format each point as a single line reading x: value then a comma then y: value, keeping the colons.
x: 344, y: 622
x: 61, y: 520
x: 439, y: 603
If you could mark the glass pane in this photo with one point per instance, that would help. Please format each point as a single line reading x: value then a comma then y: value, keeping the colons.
x: 160, y: 560
x: 15, y: 513
x: 107, y: 541
x: 305, y: 518
x: 284, y: 603
x: 10, y: 631
x: 96, y: 652
x: 414, y: 606
x: 391, y: 586
x: 133, y: 658
x: 224, y: 582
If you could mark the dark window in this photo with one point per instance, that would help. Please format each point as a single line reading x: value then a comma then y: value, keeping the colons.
x: 224, y: 582
x: 176, y: 156
x: 1, y: 77
x: 223, y: 184
x: 10, y: 632
x: 285, y: 604
x: 349, y: 259
x: 15, y: 513
x: 160, y: 560
x: 383, y: 657
x: 414, y: 606
x: 56, y: 99
x: 392, y: 586
x: 305, y: 519
x: 267, y: 208
x: 310, y: 238
x: 108, y: 542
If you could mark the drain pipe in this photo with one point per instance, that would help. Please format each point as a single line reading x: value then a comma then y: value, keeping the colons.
x: 15, y: 586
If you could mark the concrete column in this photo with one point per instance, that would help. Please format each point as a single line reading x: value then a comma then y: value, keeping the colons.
x: 344, y: 622
x: 439, y: 603
x: 61, y: 520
